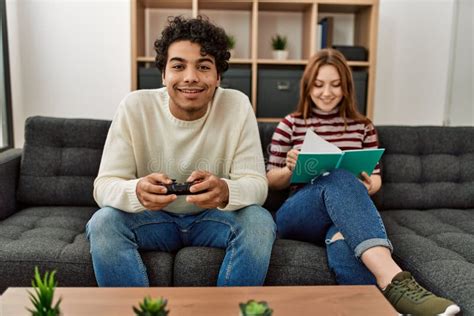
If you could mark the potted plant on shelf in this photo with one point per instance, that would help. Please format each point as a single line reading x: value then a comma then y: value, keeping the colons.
x: 43, y: 295
x: 231, y: 45
x: 151, y: 307
x: 279, y: 43
x: 254, y: 308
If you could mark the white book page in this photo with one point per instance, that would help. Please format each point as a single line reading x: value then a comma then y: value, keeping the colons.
x: 316, y: 144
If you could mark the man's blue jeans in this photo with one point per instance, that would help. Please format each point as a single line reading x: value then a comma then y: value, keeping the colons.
x: 115, y: 236
x: 331, y: 203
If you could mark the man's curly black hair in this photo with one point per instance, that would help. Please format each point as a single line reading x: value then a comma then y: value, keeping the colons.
x: 211, y: 38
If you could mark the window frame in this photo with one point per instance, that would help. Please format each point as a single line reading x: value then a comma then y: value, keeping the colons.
x: 7, y: 84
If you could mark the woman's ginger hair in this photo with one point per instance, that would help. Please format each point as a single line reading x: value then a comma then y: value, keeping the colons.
x: 348, y: 106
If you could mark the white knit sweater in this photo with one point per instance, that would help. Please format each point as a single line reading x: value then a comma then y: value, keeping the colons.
x: 145, y: 138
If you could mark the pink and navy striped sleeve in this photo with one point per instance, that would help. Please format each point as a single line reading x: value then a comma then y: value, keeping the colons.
x: 281, y: 143
x: 371, y: 141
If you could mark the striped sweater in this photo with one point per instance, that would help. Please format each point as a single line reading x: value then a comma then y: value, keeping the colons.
x: 291, y: 130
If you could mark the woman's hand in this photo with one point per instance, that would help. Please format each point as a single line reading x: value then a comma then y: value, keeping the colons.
x: 279, y: 178
x: 372, y: 183
x: 291, y: 158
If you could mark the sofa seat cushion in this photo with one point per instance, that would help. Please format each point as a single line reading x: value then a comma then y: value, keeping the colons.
x: 53, y: 238
x: 292, y: 263
x: 437, y: 247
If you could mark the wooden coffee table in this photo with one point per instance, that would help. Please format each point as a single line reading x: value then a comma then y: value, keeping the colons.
x: 212, y: 301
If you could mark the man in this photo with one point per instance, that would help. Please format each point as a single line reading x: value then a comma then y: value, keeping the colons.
x: 191, y: 130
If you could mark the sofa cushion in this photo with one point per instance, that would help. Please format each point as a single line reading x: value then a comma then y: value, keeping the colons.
x: 292, y: 263
x: 437, y: 246
x: 426, y: 167
x: 60, y: 160
x: 9, y: 166
x: 53, y: 238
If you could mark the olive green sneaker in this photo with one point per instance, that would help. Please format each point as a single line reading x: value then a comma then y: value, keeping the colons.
x: 410, y: 298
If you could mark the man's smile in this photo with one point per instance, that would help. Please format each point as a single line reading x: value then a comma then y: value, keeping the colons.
x: 190, y: 90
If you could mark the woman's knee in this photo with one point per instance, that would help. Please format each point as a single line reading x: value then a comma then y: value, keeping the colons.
x: 341, y: 176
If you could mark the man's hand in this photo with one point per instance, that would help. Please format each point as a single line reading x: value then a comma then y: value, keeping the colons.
x: 372, y: 183
x: 291, y: 158
x: 217, y: 194
x: 151, y: 194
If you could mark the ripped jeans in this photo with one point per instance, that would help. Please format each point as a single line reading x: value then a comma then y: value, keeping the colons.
x: 331, y: 203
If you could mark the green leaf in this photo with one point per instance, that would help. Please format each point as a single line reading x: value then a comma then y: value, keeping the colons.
x: 151, y: 307
x: 230, y: 41
x: 43, y: 295
x: 254, y: 308
x: 279, y: 42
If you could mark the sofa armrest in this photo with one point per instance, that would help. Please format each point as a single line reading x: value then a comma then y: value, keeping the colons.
x: 9, y: 174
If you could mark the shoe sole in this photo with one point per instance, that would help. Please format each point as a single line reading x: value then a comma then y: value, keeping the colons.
x: 452, y: 310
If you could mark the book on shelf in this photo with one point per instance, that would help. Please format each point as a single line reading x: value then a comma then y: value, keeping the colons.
x: 318, y: 156
x: 327, y: 31
x: 319, y: 36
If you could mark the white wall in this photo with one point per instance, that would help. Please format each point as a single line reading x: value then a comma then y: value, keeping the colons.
x: 15, y: 72
x: 460, y: 107
x: 3, y: 105
x: 413, y: 53
x: 69, y: 58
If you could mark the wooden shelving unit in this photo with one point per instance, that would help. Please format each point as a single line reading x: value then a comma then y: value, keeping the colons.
x: 253, y: 23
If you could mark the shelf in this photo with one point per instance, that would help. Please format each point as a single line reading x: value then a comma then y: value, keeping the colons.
x: 144, y: 59
x: 268, y: 119
x: 284, y: 6
x: 240, y: 61
x: 176, y: 4
x: 358, y: 63
x: 225, y: 5
x: 149, y: 59
x: 253, y: 23
x: 282, y: 62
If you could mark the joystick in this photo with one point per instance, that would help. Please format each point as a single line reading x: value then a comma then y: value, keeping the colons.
x: 180, y: 188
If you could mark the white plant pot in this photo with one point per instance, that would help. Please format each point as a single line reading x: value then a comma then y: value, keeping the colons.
x: 280, y: 54
x: 232, y: 53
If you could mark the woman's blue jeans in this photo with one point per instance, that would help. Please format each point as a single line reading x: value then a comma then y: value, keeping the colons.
x: 331, y: 203
x: 116, y: 237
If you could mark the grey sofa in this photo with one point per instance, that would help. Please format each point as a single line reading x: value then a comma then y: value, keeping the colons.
x: 427, y: 203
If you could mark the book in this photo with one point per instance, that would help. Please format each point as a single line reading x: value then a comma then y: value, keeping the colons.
x: 318, y: 156
x: 319, y: 36
x: 327, y: 29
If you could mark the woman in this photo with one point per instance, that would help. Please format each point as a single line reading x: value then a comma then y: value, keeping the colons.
x: 335, y: 207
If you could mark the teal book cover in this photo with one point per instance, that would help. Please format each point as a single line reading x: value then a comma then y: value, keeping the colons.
x: 318, y: 156
x: 357, y: 161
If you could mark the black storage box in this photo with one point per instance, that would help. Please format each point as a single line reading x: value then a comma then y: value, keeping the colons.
x: 238, y: 78
x: 360, y: 84
x: 278, y: 91
x: 149, y: 78
x: 353, y: 53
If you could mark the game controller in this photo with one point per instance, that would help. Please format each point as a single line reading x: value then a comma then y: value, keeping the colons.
x: 180, y: 188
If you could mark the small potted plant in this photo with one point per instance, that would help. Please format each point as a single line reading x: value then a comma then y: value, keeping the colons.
x: 279, y: 43
x: 231, y: 44
x: 43, y: 295
x: 151, y: 307
x: 254, y: 308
